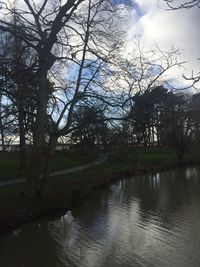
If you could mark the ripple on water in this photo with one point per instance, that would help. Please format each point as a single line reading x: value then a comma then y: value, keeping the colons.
x: 149, y: 221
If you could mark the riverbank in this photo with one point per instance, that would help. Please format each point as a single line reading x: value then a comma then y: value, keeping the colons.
x: 67, y: 191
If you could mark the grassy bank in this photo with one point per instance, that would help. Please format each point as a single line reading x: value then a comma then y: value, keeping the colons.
x: 10, y: 163
x: 63, y: 192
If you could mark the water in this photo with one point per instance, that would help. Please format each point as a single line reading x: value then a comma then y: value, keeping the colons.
x: 145, y: 221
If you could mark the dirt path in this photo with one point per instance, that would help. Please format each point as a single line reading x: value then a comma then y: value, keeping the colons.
x: 101, y: 159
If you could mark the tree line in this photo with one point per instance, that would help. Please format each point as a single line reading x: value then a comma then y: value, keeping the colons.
x: 64, y: 76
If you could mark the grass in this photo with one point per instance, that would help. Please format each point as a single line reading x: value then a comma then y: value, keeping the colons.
x: 150, y: 155
x: 10, y: 163
x: 11, y: 192
x: 70, y: 189
x: 9, y: 166
x: 69, y: 159
x: 141, y: 156
x: 117, y: 163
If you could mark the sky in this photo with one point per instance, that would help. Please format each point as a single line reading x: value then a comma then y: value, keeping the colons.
x: 156, y: 25
x: 167, y: 28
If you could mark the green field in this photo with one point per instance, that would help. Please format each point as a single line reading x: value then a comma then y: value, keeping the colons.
x: 71, y: 189
x: 10, y: 163
x: 117, y: 161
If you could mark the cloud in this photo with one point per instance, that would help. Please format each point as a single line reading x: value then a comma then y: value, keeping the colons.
x: 179, y: 28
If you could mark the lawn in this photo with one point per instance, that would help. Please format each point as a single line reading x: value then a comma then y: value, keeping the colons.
x: 117, y: 164
x: 62, y: 192
x: 9, y: 166
x: 118, y: 161
x: 10, y: 163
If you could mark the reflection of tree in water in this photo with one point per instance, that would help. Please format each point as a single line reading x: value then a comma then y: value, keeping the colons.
x: 118, y: 220
x: 90, y: 213
x: 165, y: 193
x: 103, y: 219
x: 32, y: 245
x: 119, y: 225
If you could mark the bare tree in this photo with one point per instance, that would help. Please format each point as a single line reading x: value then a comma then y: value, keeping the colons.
x: 172, y: 4
x: 147, y: 69
x: 62, y: 35
x: 8, y: 122
x: 17, y: 85
x: 175, y: 5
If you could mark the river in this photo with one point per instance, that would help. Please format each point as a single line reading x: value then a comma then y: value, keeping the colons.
x: 151, y: 220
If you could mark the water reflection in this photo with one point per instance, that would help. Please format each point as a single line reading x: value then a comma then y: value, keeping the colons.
x: 146, y: 221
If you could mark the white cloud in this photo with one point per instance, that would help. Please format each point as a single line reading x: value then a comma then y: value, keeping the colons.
x: 178, y: 28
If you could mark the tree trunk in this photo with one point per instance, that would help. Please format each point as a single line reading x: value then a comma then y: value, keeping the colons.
x: 180, y: 155
x: 38, y: 150
x: 49, y: 161
x: 2, y: 136
x: 22, y: 142
x: 2, y: 130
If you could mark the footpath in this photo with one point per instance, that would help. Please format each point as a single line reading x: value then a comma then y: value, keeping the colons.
x: 101, y: 159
